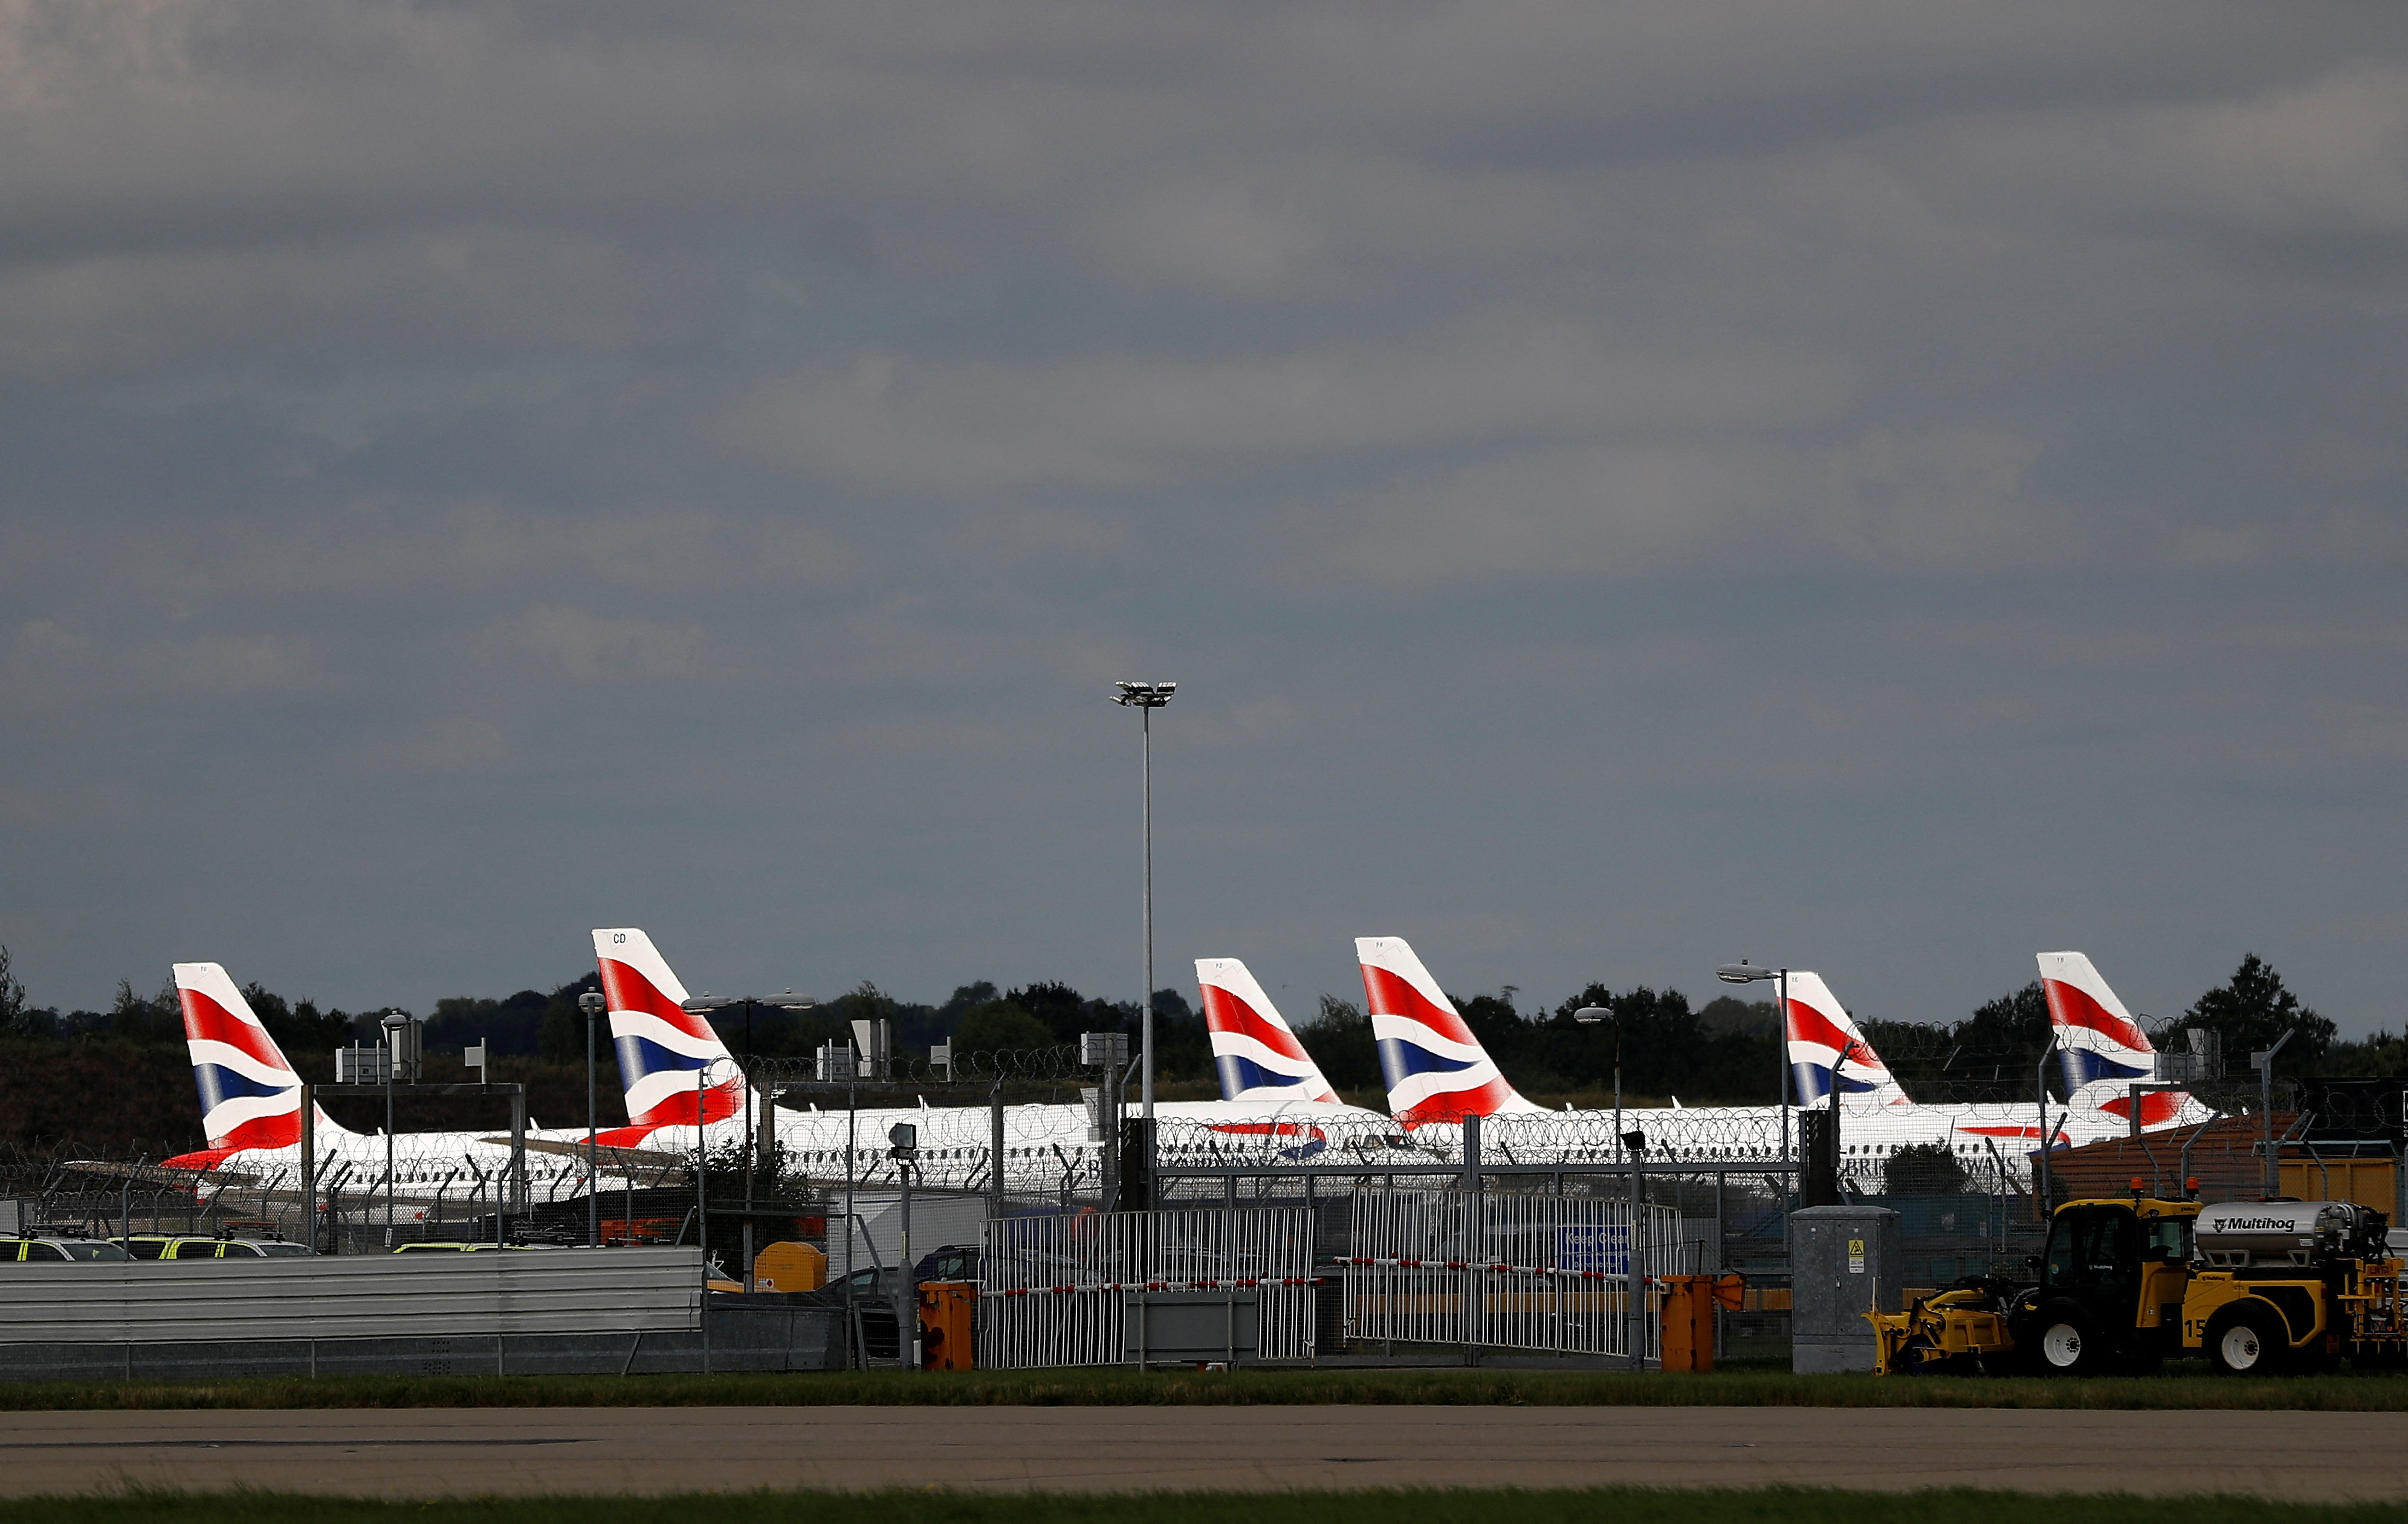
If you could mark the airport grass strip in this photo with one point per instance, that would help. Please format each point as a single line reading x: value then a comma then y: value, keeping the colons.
x: 1624, y: 1505
x: 2348, y: 1392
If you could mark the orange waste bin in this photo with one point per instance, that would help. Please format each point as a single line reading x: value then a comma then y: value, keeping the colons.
x: 948, y: 1325
x: 1689, y: 1304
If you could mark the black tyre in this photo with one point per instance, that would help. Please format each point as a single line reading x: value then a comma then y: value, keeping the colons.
x: 2248, y: 1339
x: 2066, y: 1342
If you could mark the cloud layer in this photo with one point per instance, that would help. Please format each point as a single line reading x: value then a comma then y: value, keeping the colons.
x: 1621, y: 486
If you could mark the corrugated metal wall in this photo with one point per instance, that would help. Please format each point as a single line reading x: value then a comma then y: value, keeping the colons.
x: 629, y: 1290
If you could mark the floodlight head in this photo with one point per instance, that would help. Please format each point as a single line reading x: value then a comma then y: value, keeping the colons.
x: 1144, y: 695
x: 903, y: 1135
x: 1743, y: 973
x: 591, y: 1002
x: 394, y: 1020
x: 789, y: 1001
x: 1635, y: 1141
x: 1589, y: 1015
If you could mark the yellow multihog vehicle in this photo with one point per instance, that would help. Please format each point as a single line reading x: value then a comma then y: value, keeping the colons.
x: 2257, y: 1286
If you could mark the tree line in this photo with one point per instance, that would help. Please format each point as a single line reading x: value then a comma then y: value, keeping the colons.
x: 1727, y: 1051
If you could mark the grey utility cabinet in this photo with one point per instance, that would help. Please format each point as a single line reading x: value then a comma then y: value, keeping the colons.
x: 1844, y: 1261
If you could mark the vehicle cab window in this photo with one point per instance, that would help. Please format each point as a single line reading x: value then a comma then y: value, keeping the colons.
x: 2169, y: 1239
x: 94, y: 1251
x: 44, y: 1251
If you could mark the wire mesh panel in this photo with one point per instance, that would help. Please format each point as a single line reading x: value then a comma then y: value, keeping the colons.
x: 1510, y: 1269
x: 1056, y: 1290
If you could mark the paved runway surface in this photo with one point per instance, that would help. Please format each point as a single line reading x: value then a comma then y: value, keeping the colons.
x: 425, y: 1452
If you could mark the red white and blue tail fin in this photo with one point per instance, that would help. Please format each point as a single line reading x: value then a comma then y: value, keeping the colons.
x: 2099, y: 1047
x: 1436, y: 1070
x: 662, y: 1046
x: 1258, y: 1054
x: 1817, y: 1028
x: 250, y: 1098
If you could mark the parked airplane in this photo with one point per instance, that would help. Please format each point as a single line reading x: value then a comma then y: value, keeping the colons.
x: 250, y: 1112
x: 674, y: 1065
x: 1438, y: 1073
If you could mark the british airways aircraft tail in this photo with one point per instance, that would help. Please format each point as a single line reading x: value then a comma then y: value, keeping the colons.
x: 662, y: 1047
x: 250, y: 1098
x: 2100, y: 1047
x: 1257, y: 1054
x: 1436, y: 1069
x: 1818, y: 1031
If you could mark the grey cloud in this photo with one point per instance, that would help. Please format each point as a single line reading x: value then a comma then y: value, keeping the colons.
x: 1122, y: 421
x: 1621, y: 485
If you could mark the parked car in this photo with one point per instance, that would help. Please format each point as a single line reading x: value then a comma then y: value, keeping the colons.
x: 179, y: 1249
x: 35, y: 1251
x: 872, y: 1293
x: 953, y: 1262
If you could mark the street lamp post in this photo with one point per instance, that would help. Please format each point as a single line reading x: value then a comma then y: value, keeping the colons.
x: 1589, y: 1015
x: 1145, y: 697
x: 395, y: 1023
x: 1743, y: 972
x: 593, y: 1002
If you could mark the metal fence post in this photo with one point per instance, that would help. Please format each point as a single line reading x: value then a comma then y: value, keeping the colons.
x: 308, y: 1173
x: 1474, y: 1295
x: 1634, y: 1262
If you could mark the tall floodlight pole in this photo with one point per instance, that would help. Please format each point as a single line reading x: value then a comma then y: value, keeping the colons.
x: 1145, y: 697
x: 592, y: 1003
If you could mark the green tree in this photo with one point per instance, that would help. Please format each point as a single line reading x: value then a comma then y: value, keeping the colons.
x: 2253, y: 1010
x: 2379, y: 1054
x: 1929, y: 1169
x: 561, y: 1039
x: 305, y: 1029
x: 1994, y: 1053
x: 1339, y: 1036
x: 1000, y: 1026
x: 17, y: 1019
x: 1729, y: 1013
x: 154, y: 1018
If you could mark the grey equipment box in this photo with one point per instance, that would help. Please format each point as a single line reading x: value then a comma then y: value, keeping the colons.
x: 1186, y: 1326
x: 1844, y: 1261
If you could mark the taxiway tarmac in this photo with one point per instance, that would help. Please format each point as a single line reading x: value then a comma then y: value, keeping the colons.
x: 438, y: 1451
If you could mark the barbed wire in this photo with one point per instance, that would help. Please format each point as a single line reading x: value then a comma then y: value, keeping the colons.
x: 1033, y: 1066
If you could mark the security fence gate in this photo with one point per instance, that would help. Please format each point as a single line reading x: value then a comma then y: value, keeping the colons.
x: 1085, y: 1291
x: 1508, y: 1269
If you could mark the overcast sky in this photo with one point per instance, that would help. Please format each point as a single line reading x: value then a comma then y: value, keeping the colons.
x: 1887, y: 487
